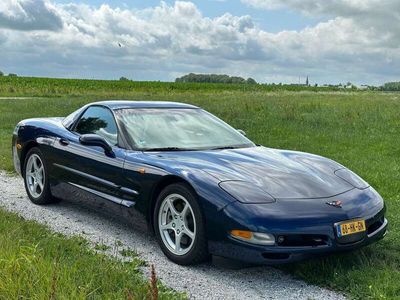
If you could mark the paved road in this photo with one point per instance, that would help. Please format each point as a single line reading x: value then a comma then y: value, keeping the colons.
x: 207, y: 281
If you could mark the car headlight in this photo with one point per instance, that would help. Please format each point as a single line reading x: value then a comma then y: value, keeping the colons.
x: 258, y: 238
x: 246, y: 192
x: 352, y: 178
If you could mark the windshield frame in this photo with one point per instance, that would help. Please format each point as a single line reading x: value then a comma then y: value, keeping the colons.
x: 132, y: 144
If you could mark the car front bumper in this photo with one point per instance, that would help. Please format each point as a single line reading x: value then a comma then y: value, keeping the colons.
x: 242, y: 251
x: 307, y: 228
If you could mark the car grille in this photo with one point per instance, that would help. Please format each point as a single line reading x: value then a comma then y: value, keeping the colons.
x: 375, y: 225
x: 276, y: 256
x: 302, y: 240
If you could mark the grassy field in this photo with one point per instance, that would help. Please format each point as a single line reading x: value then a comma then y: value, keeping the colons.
x: 38, y: 264
x: 360, y: 130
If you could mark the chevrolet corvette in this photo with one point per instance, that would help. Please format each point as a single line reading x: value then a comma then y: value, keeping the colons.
x: 202, y: 187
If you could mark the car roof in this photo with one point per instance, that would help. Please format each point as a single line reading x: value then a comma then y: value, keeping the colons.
x: 121, y: 104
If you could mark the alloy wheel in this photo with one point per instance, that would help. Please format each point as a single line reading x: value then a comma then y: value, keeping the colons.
x: 35, y: 176
x: 177, y: 224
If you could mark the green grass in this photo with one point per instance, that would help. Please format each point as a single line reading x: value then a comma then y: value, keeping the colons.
x: 101, y: 247
x: 36, y: 263
x: 360, y: 130
x: 128, y: 253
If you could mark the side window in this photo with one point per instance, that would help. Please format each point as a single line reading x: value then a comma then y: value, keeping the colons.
x: 98, y: 120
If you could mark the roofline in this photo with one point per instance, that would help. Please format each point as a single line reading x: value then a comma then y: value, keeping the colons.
x: 151, y: 107
x: 127, y: 104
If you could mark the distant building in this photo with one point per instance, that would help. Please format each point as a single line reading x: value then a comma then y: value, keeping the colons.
x: 307, y: 83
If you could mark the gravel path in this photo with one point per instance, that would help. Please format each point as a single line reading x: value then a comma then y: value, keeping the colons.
x: 19, y: 98
x: 207, y: 281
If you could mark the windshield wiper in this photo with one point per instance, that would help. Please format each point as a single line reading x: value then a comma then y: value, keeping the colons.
x: 168, y: 149
x: 224, y: 147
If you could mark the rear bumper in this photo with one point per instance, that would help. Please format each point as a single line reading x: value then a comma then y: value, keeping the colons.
x: 270, y: 255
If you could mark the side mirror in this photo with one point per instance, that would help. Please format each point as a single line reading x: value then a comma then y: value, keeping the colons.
x: 242, y: 132
x: 96, y: 140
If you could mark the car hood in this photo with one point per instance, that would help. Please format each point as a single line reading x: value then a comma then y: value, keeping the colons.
x: 281, y: 173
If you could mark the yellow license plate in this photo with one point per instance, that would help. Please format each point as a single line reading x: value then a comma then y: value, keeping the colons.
x: 350, y: 227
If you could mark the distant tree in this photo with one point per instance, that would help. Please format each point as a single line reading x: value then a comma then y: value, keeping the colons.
x: 123, y: 78
x: 251, y: 81
x: 1, y: 73
x: 12, y: 75
x: 391, y: 86
x: 213, y: 78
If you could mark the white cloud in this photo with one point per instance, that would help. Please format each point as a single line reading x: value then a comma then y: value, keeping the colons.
x: 376, y: 14
x: 29, y: 15
x: 167, y: 40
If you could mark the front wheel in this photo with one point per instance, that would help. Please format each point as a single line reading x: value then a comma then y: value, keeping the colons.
x: 36, y: 178
x: 179, y: 225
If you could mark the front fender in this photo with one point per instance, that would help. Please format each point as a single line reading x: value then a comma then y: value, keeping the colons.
x: 211, y: 197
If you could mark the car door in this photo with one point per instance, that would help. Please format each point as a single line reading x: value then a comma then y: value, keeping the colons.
x: 89, y: 168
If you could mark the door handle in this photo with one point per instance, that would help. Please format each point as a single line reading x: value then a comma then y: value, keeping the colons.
x: 64, y: 142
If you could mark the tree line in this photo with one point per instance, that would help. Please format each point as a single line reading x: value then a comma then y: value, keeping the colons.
x: 214, y: 78
x: 10, y: 74
x: 391, y: 86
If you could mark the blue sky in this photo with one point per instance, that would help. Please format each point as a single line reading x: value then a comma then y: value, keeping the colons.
x: 331, y: 41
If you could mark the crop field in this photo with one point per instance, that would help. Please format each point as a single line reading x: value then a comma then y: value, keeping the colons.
x: 31, y: 86
x: 360, y: 130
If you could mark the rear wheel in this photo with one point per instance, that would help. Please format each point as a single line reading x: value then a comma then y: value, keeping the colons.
x: 36, y: 178
x: 179, y: 225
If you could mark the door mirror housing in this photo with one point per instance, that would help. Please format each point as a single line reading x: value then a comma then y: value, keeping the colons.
x: 242, y: 132
x: 96, y: 140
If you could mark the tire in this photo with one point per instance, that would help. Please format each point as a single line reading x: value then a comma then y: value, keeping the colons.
x: 189, y: 222
x: 41, y: 194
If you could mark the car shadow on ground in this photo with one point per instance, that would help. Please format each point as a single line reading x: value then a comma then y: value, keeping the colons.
x: 98, y: 211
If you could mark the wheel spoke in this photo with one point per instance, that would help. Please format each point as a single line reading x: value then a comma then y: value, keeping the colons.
x: 40, y: 183
x: 35, y: 164
x: 172, y: 207
x: 188, y: 233
x: 167, y: 226
x: 41, y: 170
x: 35, y: 185
x: 185, y: 210
x: 178, y: 242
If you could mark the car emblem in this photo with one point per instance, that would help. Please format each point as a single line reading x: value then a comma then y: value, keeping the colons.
x: 336, y: 203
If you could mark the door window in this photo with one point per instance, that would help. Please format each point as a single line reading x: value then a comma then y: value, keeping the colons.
x: 98, y: 120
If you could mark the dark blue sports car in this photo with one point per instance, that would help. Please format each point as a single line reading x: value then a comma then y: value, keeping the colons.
x: 200, y: 185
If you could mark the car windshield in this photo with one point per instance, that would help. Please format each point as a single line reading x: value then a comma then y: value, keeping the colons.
x: 178, y: 129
